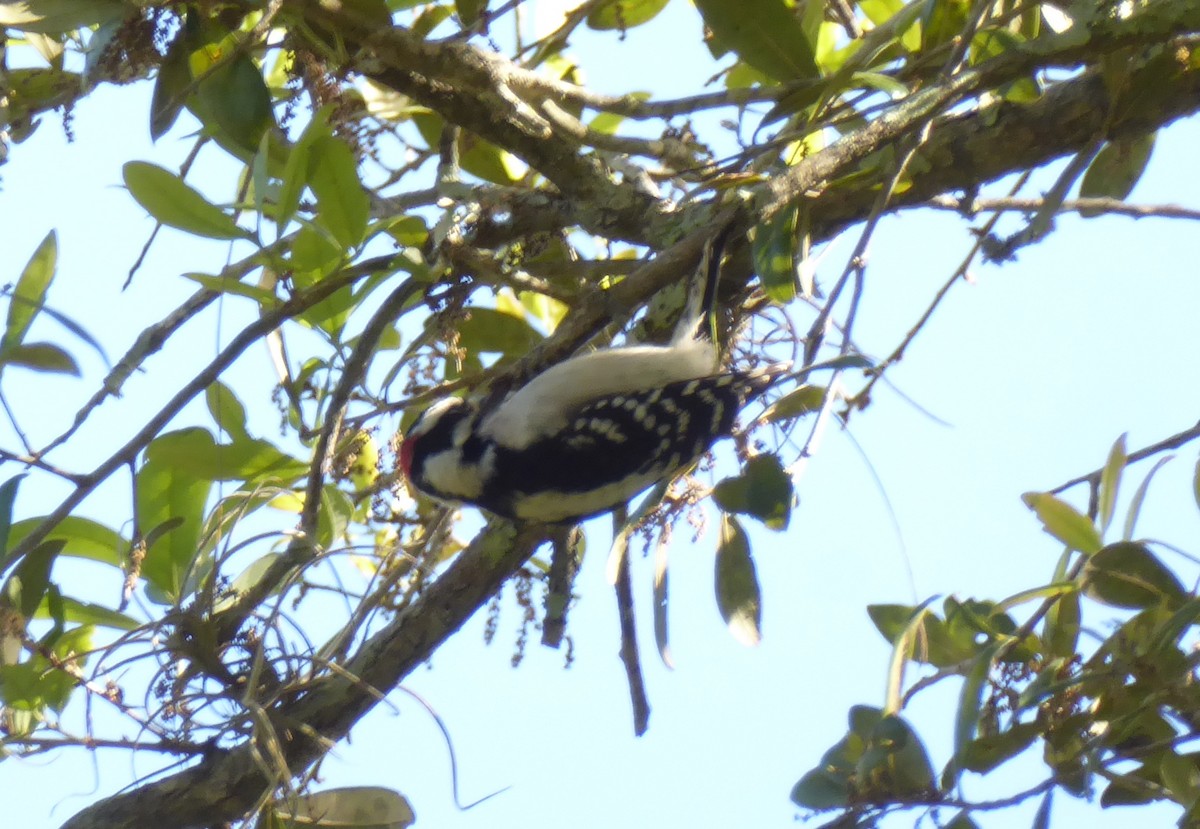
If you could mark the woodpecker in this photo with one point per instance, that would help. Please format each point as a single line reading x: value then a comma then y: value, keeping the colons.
x: 589, y: 433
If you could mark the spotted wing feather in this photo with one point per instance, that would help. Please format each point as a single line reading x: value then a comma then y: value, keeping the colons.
x: 628, y: 441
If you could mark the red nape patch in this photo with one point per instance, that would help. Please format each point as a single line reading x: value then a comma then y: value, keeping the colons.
x: 406, y: 457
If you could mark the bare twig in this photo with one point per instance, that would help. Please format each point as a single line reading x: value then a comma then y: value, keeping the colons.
x: 1173, y: 442
x: 970, y: 206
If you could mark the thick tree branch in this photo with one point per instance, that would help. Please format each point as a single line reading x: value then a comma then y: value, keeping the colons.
x: 228, y: 782
x: 964, y: 151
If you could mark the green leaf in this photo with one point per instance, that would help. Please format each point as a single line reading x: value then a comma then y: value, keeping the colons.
x: 8, y: 494
x: 624, y: 14
x: 1110, y: 481
x: 738, y: 595
x: 661, y: 593
x: 904, y: 645
x: 30, y: 579
x: 469, y: 11
x: 226, y: 409
x: 774, y: 249
x: 84, y: 538
x: 966, y: 720
x: 38, y: 683
x: 1064, y: 522
x: 86, y: 613
x: 29, y: 295
x: 821, y: 789
x: 53, y: 17
x: 334, y: 516
x: 894, y: 762
x: 41, y: 357
x: 342, y: 204
x: 1139, y: 496
x: 478, y: 157
x: 983, y: 754
x: 429, y: 19
x: 1115, y: 170
x: 168, y: 496
x: 352, y: 807
x: 1127, y: 574
x: 295, y: 171
x: 1060, y: 630
x: 763, y: 490
x: 1196, y: 484
x: 245, y: 581
x: 195, y: 453
x: 766, y: 34
x: 172, y: 202
x: 316, y: 253
x: 171, y: 88
x: 234, y: 95
x: 488, y: 331
x: 799, y: 401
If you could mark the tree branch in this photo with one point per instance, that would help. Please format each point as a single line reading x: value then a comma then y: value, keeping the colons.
x: 228, y: 782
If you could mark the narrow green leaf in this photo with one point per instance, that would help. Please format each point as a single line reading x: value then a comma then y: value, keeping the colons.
x: 661, y: 637
x: 337, y: 509
x: 171, y: 88
x: 903, y: 647
x: 245, y: 581
x: 8, y: 494
x: 1110, y: 482
x: 342, y: 204
x: 774, y: 249
x: 1064, y: 522
x: 766, y: 34
x: 1046, y: 591
x: 1115, y: 170
x: 799, y: 401
x: 29, y: 295
x: 295, y: 171
x: 738, y: 595
x: 1196, y: 484
x: 1139, y: 495
x: 41, y: 357
x: 30, y: 579
x: 966, y: 720
x: 1060, y: 630
x: 172, y: 202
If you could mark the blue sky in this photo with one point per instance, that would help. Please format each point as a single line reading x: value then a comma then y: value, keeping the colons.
x: 1036, y: 368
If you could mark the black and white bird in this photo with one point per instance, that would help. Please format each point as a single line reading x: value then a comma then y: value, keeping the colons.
x: 589, y: 433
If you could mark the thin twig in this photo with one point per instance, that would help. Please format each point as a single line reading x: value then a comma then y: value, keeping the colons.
x: 266, y: 323
x: 970, y: 206
x: 1173, y: 442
